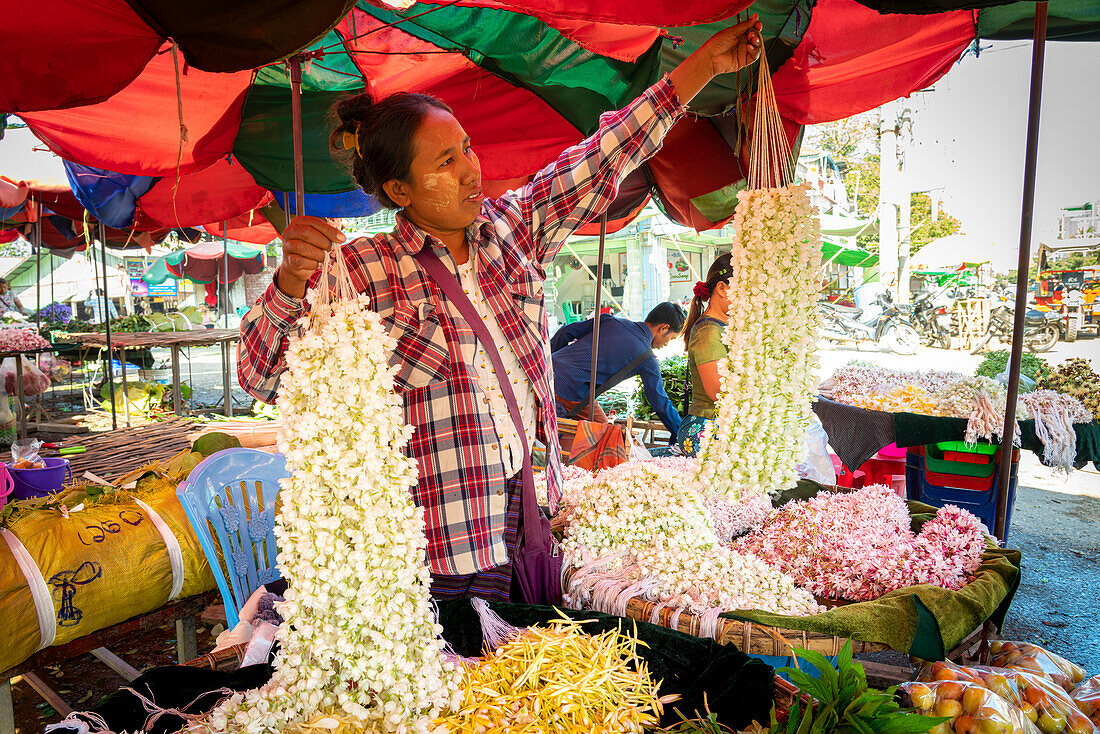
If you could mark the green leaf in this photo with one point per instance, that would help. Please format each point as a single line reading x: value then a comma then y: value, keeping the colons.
x: 211, y: 443
x: 906, y: 723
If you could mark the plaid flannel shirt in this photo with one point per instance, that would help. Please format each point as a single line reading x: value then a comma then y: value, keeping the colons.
x: 462, y: 486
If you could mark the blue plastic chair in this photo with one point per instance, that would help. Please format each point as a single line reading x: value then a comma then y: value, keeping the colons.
x: 233, y: 492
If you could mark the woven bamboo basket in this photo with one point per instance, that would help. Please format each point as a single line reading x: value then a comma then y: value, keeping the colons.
x: 748, y: 637
x: 228, y: 658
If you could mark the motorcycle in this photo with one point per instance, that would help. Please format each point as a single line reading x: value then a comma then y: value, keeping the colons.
x: 1040, y: 328
x: 932, y: 321
x: 887, y: 327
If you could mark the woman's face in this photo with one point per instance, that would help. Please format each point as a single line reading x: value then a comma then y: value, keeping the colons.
x: 3, y: 288
x: 443, y: 190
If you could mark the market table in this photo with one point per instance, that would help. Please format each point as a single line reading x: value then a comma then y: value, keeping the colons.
x: 857, y: 434
x: 172, y: 340
x: 20, y: 406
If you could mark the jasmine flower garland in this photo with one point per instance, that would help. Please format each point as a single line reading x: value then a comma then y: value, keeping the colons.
x: 642, y: 530
x: 360, y: 640
x: 767, y: 377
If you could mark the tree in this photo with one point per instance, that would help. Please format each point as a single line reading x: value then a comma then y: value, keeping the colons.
x: 847, y: 140
x: 862, y: 182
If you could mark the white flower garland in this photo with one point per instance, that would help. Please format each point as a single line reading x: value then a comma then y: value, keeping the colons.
x: 767, y: 378
x: 642, y: 530
x: 360, y: 638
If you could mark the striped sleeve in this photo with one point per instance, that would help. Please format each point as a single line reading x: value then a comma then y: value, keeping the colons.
x: 584, y: 180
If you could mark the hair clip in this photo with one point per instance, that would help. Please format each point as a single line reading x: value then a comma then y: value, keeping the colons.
x: 350, y: 141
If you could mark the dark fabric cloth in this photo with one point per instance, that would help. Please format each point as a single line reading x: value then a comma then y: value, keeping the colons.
x: 854, y: 433
x: 912, y: 429
x: 621, y: 341
x: 494, y: 584
x: 192, y: 690
x: 737, y: 688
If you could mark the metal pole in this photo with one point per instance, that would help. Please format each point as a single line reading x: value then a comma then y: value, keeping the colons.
x: 296, y: 132
x: 107, y: 322
x: 1004, y: 469
x: 596, y: 321
x: 225, y: 272
x: 38, y: 282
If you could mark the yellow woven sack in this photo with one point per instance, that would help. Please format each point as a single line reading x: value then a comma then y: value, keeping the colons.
x: 100, y: 566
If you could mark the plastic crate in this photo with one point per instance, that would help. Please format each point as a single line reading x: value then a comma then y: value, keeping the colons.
x: 955, y: 457
x: 925, y: 487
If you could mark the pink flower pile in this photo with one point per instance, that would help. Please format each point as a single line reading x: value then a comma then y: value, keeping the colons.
x: 21, y: 340
x: 859, y: 546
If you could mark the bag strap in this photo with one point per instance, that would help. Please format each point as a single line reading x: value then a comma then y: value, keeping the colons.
x: 612, y: 381
x: 450, y: 286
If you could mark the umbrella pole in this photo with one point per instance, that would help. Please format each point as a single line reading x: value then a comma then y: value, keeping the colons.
x: 1004, y: 469
x: 107, y: 322
x: 225, y: 271
x: 296, y: 132
x: 38, y: 281
x: 596, y: 321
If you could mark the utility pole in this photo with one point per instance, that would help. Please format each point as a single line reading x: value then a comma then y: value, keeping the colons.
x: 894, y: 194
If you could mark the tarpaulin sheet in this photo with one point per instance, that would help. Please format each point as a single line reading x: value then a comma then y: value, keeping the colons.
x: 52, y: 58
x: 1067, y: 20
x: 104, y: 135
x: 834, y: 74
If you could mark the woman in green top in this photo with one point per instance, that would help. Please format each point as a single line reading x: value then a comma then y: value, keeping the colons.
x: 703, y: 336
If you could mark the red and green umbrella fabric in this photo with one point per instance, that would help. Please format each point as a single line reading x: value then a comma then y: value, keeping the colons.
x: 527, y: 84
x: 206, y: 263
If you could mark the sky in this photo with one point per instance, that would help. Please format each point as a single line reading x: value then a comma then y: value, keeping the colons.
x: 969, y: 136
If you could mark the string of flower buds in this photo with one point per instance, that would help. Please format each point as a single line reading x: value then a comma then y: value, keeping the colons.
x: 767, y: 375
x: 360, y: 642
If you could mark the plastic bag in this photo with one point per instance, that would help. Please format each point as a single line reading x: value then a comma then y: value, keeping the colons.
x: 1042, y: 701
x: 57, y: 369
x: 24, y: 454
x: 1026, y: 383
x: 817, y: 466
x: 1025, y: 656
x: 1087, y: 698
x: 34, y: 382
x: 973, y: 709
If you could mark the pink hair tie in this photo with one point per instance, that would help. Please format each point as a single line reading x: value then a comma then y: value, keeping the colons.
x: 701, y: 291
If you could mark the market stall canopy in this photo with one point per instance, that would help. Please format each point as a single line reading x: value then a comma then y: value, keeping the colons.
x: 527, y: 80
x: 251, y: 227
x: 97, y: 47
x: 204, y: 263
x: 837, y: 225
x: 526, y: 85
x: 221, y: 191
x: 836, y: 251
x: 947, y: 253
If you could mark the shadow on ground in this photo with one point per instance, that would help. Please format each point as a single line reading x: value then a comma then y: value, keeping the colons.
x: 1058, y: 604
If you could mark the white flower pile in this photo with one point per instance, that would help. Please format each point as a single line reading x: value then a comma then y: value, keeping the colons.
x: 360, y: 641
x: 767, y: 379
x: 642, y: 530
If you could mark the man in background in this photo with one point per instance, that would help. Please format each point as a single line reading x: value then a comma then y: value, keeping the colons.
x: 626, y: 349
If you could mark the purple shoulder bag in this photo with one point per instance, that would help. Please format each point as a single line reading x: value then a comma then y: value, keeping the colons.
x: 536, y: 563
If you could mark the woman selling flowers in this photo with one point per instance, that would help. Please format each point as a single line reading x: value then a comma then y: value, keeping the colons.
x: 410, y: 152
x: 703, y: 337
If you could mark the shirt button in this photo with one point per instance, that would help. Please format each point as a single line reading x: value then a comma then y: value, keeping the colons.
x: 495, y: 447
x: 500, y: 491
